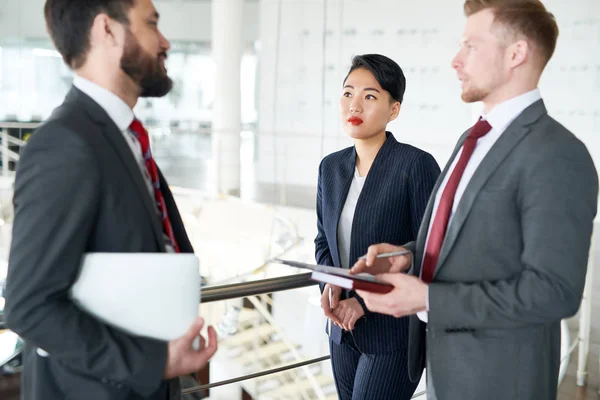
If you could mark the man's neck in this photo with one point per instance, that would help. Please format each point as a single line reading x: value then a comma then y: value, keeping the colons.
x: 122, y: 86
x: 505, y: 93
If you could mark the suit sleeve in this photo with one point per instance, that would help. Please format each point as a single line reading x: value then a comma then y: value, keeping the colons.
x: 423, y: 176
x: 55, y: 207
x: 557, y: 198
x: 322, y: 252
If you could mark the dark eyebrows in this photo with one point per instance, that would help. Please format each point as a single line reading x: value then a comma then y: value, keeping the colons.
x: 352, y: 87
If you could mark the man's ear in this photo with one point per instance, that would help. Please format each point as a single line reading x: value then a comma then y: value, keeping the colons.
x: 518, y: 53
x: 106, y: 31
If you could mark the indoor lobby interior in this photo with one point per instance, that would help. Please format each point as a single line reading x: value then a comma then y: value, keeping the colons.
x: 240, y: 138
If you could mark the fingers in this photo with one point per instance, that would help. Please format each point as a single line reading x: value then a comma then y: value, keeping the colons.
x: 335, y: 316
x: 202, y: 342
x: 325, y: 298
x: 352, y: 321
x: 401, y: 263
x: 347, y: 319
x: 335, y: 296
x: 193, y: 331
x: 376, y: 249
x: 359, y: 267
x: 202, y: 357
x: 372, y: 252
x: 341, y: 314
x: 212, y: 341
x: 331, y: 314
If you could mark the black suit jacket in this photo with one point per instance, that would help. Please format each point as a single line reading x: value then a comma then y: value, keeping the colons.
x: 78, y: 189
x: 389, y: 209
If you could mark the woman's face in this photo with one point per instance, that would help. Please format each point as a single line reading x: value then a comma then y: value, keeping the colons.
x: 365, y: 107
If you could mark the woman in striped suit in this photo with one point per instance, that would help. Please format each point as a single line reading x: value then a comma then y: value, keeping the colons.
x: 373, y: 192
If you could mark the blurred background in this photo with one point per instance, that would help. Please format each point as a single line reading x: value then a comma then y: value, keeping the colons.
x: 253, y: 111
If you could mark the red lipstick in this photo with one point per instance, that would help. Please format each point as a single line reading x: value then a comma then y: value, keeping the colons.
x: 355, y: 121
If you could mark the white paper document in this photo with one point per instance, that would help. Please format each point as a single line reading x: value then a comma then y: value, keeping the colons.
x: 154, y: 295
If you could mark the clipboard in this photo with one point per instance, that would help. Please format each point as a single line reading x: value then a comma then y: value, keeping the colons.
x: 342, y: 277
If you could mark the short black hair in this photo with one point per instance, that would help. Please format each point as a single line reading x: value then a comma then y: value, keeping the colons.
x: 387, y: 72
x: 69, y: 23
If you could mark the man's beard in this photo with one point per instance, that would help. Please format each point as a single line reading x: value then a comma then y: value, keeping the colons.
x: 474, y: 95
x: 144, y: 70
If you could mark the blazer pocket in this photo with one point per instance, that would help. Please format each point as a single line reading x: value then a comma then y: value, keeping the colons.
x: 76, y: 386
x: 481, y: 361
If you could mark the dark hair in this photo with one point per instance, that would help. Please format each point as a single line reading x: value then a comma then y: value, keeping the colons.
x: 69, y: 23
x: 385, y: 70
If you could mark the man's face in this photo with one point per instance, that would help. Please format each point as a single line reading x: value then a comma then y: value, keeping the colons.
x: 480, y: 62
x: 145, y: 51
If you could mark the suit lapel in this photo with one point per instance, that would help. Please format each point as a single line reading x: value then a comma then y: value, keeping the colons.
x: 424, y: 228
x: 116, y: 139
x: 513, y: 134
x: 346, y: 172
x: 181, y: 236
x: 378, y: 174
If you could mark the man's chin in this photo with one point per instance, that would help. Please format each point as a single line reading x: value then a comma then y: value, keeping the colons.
x: 156, y: 87
x: 471, y: 96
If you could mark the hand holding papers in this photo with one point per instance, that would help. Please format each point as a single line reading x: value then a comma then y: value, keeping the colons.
x: 342, y: 277
x: 387, y: 255
x: 154, y: 295
x: 182, y: 357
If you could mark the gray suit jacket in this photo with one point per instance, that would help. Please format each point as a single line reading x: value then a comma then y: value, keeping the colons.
x: 78, y: 189
x: 512, y: 265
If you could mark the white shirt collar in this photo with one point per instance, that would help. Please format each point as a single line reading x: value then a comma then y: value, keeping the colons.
x: 504, y: 113
x: 114, y: 106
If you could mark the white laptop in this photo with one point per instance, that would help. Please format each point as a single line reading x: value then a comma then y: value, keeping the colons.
x: 154, y: 295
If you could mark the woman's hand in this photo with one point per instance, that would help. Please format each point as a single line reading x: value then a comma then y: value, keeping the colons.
x: 348, y: 312
x: 335, y: 299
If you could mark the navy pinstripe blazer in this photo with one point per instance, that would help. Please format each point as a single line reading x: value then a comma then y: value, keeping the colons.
x: 389, y: 210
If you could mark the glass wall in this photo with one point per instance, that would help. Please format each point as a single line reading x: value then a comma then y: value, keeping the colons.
x: 34, y: 80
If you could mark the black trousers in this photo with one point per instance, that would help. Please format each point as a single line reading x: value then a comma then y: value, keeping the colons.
x: 360, y: 376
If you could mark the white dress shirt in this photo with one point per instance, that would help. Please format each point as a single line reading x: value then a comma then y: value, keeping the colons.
x: 499, y: 118
x: 347, y: 216
x: 122, y: 115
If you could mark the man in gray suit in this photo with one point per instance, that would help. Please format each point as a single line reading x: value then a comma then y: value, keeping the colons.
x: 502, y: 251
x: 87, y: 182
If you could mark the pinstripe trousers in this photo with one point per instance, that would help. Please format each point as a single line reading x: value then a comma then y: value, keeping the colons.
x: 360, y: 376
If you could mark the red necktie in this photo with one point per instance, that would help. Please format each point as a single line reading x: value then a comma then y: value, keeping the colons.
x: 440, y: 222
x: 142, y: 136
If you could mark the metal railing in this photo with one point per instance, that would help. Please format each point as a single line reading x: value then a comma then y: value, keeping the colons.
x: 247, y: 290
x: 252, y: 288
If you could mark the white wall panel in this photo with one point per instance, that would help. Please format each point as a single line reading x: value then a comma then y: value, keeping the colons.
x: 317, y: 39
